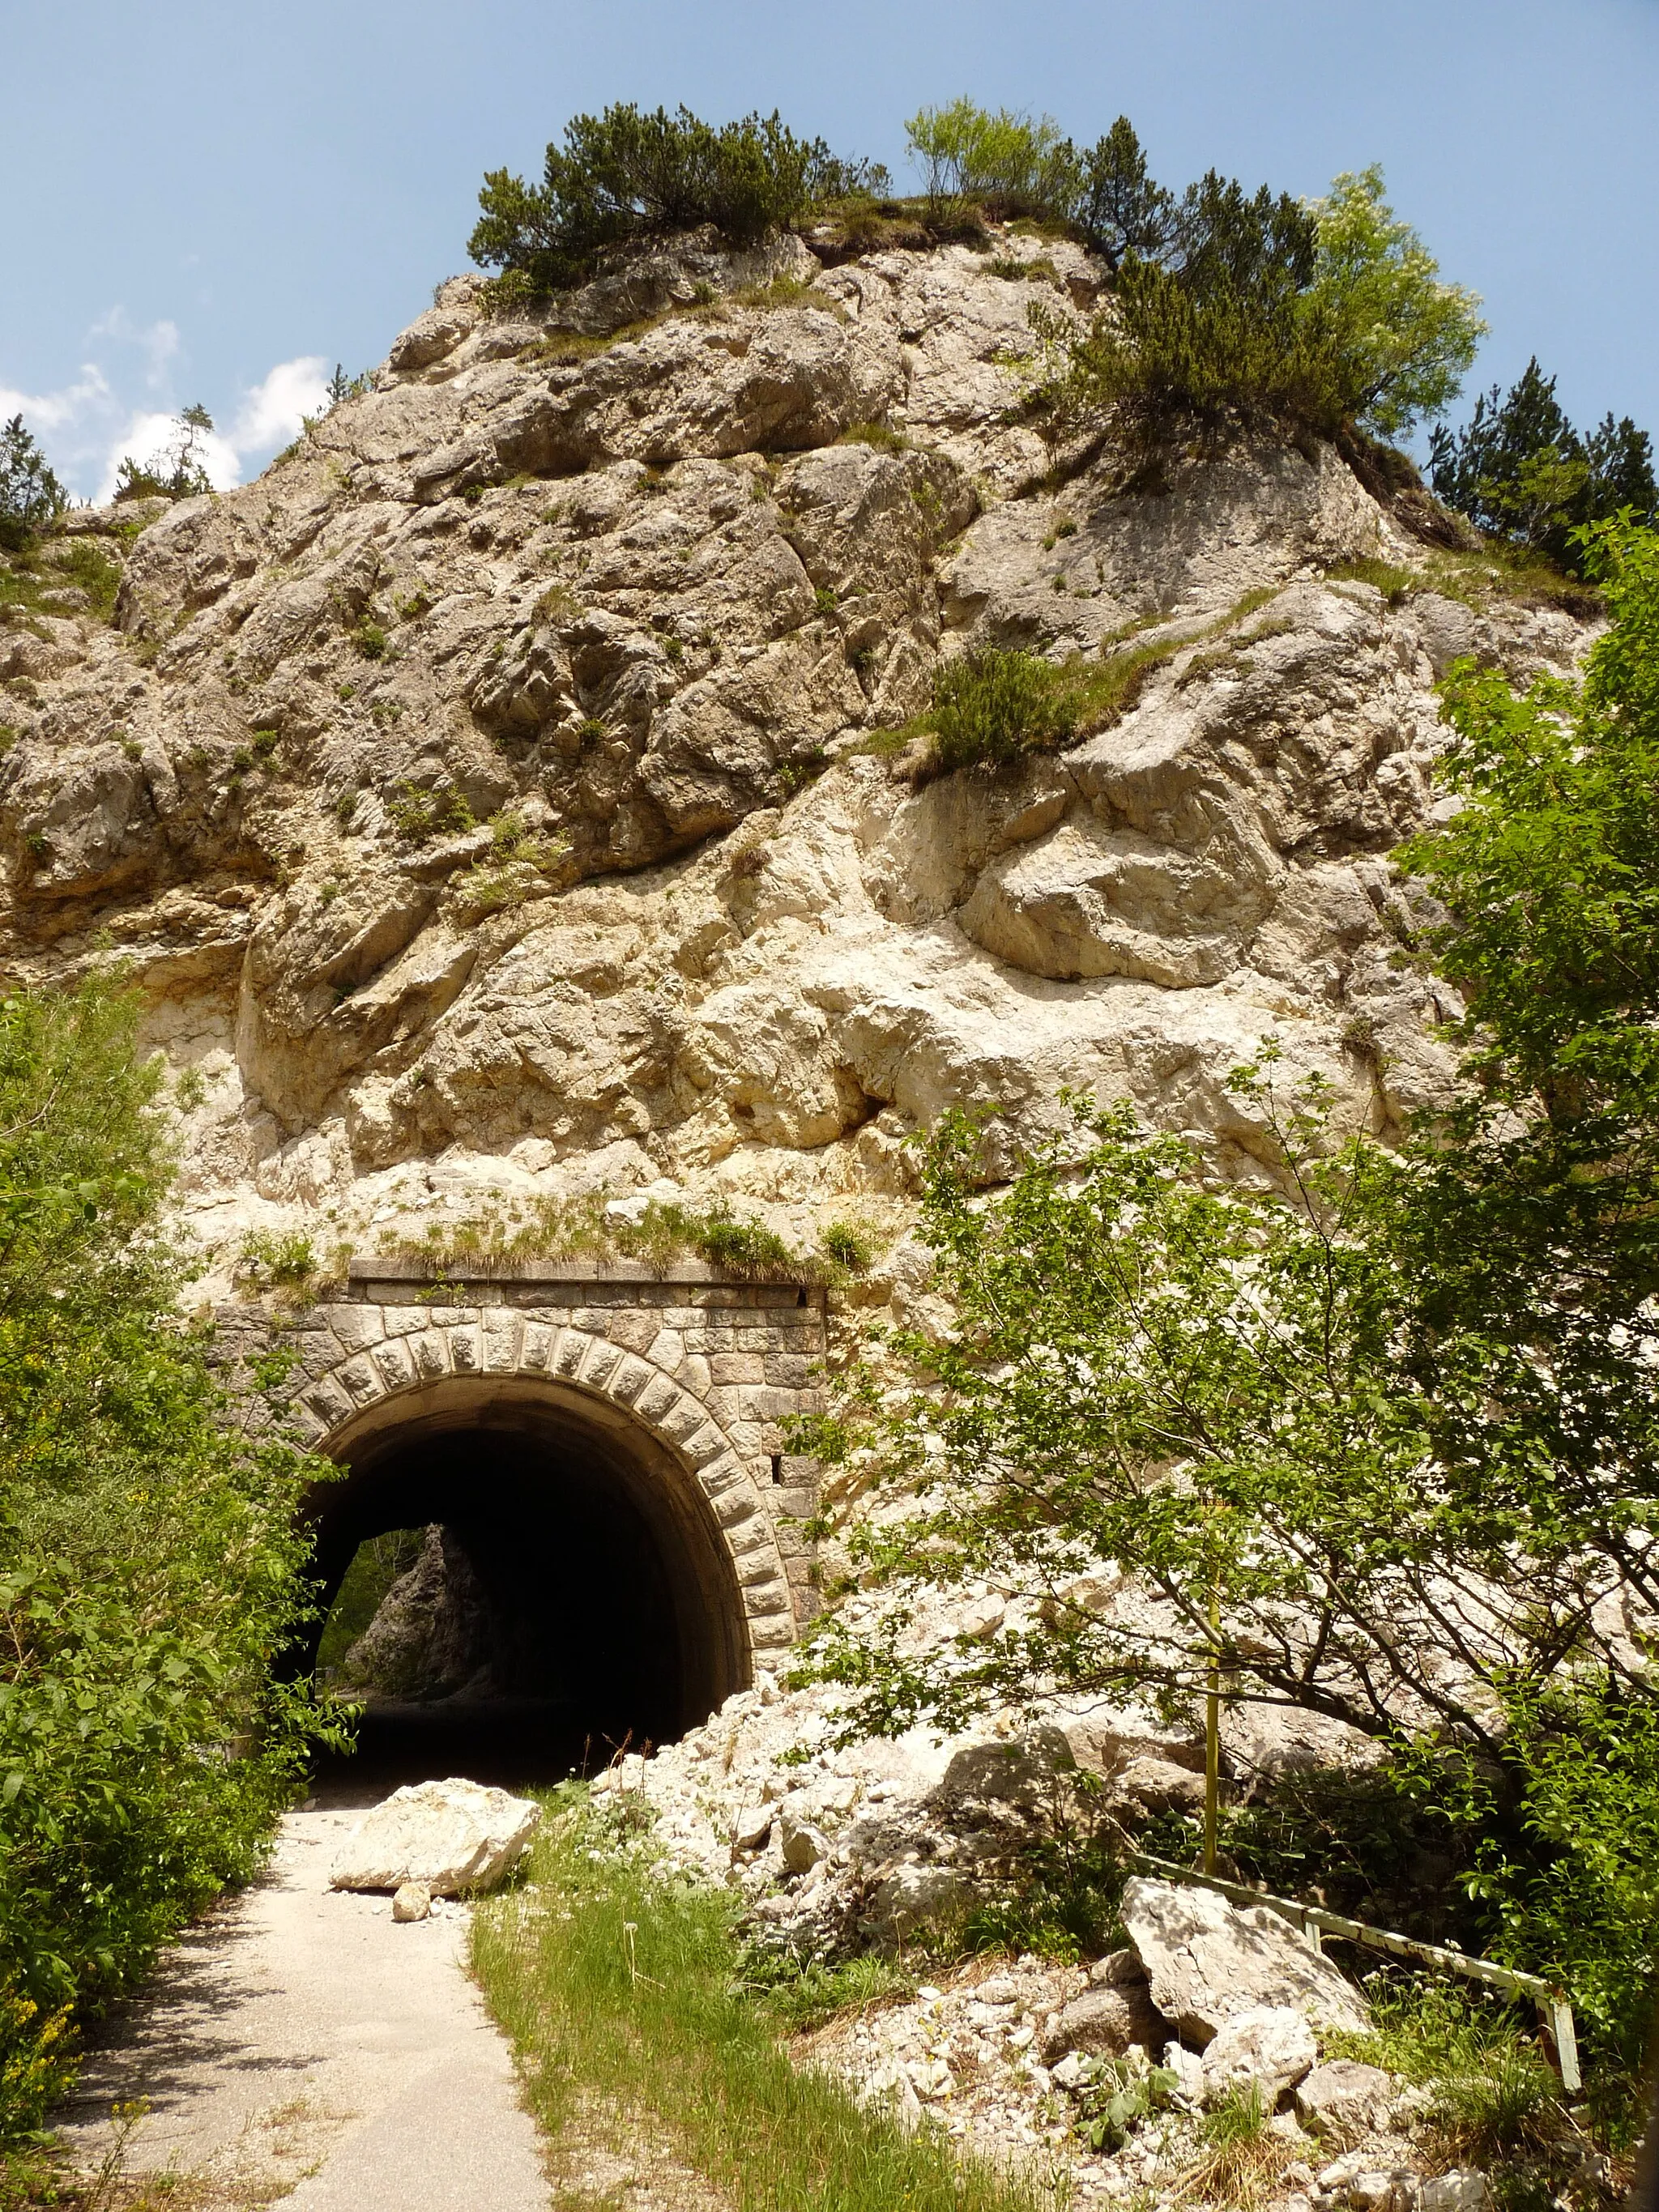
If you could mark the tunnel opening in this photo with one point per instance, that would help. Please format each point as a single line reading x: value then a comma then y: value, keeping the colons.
x: 588, y: 1602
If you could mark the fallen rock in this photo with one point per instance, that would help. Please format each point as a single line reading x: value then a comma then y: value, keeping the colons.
x: 1344, y: 2099
x: 1269, y: 2048
x: 804, y: 1845
x: 411, y: 1901
x: 1117, y: 1970
x: 751, y: 1830
x: 1465, y: 2189
x: 1206, y: 1959
x: 1105, y: 2019
x: 449, y: 1836
x: 909, y: 1896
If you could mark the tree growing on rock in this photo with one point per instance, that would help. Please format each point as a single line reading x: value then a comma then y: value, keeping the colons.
x: 1383, y: 1446
x: 626, y: 175
x: 31, y: 496
x: 1519, y: 469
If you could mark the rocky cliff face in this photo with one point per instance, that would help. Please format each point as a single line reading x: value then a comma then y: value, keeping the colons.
x: 487, y: 798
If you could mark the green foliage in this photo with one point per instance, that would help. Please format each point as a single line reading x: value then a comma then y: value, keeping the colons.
x: 1119, y: 209
x: 803, y: 1993
x: 991, y: 708
x: 375, y: 1565
x: 284, y: 1262
x: 968, y: 154
x: 370, y: 640
x: 1403, y: 340
x: 521, y: 866
x: 1388, y: 1442
x: 622, y: 1987
x: 176, y: 472
x: 35, y: 577
x: 31, y: 496
x: 152, y: 1574
x: 418, y: 814
x: 624, y: 175
x: 1492, y: 2094
x: 1519, y: 469
x: 848, y: 1246
x: 1253, y: 309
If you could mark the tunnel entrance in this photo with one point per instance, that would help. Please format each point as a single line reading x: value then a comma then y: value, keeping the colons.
x: 595, y: 1602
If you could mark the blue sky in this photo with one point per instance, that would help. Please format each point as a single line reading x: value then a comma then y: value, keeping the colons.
x: 220, y: 202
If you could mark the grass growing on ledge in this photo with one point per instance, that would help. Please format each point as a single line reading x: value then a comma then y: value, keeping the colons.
x: 616, y: 1988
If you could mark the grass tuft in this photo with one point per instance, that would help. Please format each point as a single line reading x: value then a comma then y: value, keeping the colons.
x: 615, y: 1984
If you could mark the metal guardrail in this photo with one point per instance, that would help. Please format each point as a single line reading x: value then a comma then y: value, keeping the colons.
x: 1554, y: 2006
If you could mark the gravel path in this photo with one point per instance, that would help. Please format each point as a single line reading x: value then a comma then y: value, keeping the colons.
x: 299, y: 2046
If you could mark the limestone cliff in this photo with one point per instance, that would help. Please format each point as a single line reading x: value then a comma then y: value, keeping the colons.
x: 487, y: 800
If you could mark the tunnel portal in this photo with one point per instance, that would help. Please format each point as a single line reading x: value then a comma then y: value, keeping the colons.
x: 607, y: 1449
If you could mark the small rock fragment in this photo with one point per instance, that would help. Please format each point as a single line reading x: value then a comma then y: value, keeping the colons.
x: 1342, y: 2099
x: 1465, y: 2189
x: 411, y: 1900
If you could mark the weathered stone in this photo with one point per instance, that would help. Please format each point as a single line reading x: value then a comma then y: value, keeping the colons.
x: 1206, y: 1959
x: 1465, y: 2189
x: 1267, y: 2048
x: 1342, y: 2099
x: 449, y: 1836
x: 1105, y: 2021
x: 411, y: 1900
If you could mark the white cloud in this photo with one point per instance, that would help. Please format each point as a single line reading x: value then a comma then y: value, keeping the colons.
x: 90, y: 425
x: 270, y: 414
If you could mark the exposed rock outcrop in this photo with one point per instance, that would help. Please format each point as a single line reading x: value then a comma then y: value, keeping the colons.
x: 488, y: 783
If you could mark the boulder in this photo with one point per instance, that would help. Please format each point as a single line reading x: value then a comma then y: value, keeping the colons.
x: 1465, y: 2189
x: 751, y: 1830
x: 1106, y: 2019
x: 448, y: 1835
x: 1206, y: 1959
x: 1343, y: 2098
x: 1268, y: 2048
x: 1117, y: 1970
x: 908, y: 1897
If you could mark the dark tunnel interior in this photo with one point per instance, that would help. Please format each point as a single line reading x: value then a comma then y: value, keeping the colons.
x: 607, y: 1612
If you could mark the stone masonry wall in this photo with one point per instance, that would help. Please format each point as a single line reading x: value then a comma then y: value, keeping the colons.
x: 712, y: 1368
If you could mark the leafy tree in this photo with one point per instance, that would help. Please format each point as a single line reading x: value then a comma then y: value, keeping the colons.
x: 625, y: 175
x: 968, y: 153
x: 1257, y: 309
x: 177, y: 471
x: 150, y: 1573
x: 1408, y: 338
x: 31, y: 497
x: 1385, y: 1447
x: 1520, y: 469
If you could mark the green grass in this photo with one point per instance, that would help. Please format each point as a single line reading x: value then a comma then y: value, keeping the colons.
x: 27, y: 579
x: 1493, y: 2095
x: 1396, y: 584
x: 616, y: 1987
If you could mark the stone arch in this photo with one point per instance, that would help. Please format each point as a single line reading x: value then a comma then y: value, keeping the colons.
x: 504, y: 1344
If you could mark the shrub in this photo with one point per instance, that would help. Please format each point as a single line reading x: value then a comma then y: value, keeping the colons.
x: 152, y: 1575
x: 417, y: 814
x: 624, y: 175
x: 1519, y: 469
x: 31, y: 497
x: 177, y: 471
x: 968, y: 154
x: 1259, y: 310
x: 991, y: 708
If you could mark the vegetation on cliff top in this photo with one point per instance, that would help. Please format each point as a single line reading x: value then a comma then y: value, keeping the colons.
x: 1384, y: 1450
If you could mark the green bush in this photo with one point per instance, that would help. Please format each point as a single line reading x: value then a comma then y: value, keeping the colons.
x: 968, y: 154
x: 31, y: 497
x: 991, y: 708
x: 1258, y: 310
x: 624, y: 175
x: 176, y: 472
x: 152, y: 1574
x: 1520, y: 469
